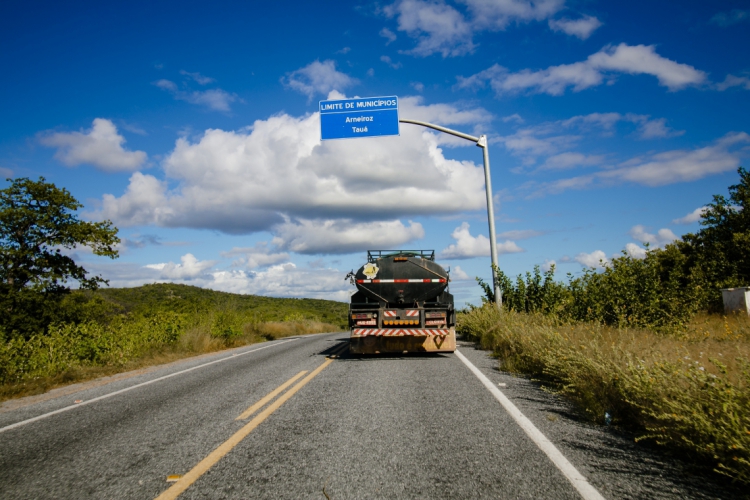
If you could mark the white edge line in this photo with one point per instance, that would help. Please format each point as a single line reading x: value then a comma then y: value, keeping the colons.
x: 576, y: 479
x: 105, y: 396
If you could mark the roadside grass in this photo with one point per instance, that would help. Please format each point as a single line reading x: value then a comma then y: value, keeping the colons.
x: 687, y: 389
x: 152, y: 325
x: 44, y: 372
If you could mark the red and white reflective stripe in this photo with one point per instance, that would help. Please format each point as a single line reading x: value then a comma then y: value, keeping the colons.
x: 442, y: 280
x: 412, y: 312
x: 411, y: 332
x: 390, y: 314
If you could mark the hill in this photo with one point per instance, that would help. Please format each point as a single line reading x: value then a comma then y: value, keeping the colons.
x: 113, y: 330
x: 191, y: 299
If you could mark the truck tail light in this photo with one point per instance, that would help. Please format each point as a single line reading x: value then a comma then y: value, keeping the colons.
x: 400, y: 322
x: 434, y: 315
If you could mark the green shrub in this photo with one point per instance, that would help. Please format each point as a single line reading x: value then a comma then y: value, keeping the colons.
x: 226, y: 324
x: 627, y: 292
x: 530, y: 293
x: 632, y: 292
x: 69, y: 345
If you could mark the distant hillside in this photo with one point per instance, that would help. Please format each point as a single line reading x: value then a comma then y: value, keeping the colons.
x: 118, y: 329
x: 192, y: 299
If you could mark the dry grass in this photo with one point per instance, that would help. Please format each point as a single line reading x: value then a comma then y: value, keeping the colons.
x: 688, y: 390
x: 194, y: 341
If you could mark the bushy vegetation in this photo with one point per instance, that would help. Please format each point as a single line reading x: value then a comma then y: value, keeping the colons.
x: 629, y: 291
x: 639, y: 342
x: 688, y: 390
x: 120, y: 328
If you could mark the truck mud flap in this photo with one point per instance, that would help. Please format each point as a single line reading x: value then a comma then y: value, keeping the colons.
x: 373, y: 344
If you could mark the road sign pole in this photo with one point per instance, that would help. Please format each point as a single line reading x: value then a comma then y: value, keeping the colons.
x: 481, y: 142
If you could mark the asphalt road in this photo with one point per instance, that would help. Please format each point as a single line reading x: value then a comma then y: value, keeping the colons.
x: 416, y: 426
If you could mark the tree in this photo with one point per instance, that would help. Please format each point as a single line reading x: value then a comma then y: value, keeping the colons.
x: 38, y: 222
x: 719, y: 252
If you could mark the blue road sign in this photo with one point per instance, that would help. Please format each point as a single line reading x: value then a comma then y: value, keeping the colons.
x: 350, y: 118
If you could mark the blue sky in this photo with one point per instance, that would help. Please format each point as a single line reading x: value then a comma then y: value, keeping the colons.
x: 193, y: 127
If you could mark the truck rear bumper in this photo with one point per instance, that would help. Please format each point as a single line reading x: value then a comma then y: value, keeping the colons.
x: 402, y: 332
x: 375, y: 341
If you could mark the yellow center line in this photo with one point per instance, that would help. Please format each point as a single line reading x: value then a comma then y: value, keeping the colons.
x: 260, y: 404
x: 196, y: 472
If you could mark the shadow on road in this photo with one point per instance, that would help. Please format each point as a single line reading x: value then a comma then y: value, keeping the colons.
x: 337, y: 345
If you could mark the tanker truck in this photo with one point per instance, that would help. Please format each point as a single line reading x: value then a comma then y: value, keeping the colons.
x: 401, y: 304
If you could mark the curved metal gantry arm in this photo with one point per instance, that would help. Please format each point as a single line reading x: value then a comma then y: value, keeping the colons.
x: 481, y: 142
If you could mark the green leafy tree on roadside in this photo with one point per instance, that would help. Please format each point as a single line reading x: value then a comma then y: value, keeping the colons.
x: 37, y: 223
x: 719, y: 253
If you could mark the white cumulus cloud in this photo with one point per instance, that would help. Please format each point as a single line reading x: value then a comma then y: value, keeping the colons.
x: 682, y: 165
x: 661, y: 238
x: 437, y: 27
x: 555, y: 139
x: 277, y: 170
x: 101, y: 147
x: 635, y: 251
x: 214, y: 99
x: 343, y: 235
x: 693, y: 216
x: 280, y: 280
x: 734, y: 81
x: 468, y: 246
x: 647, y: 127
x: 259, y: 255
x: 318, y: 78
x: 594, y: 71
x: 659, y: 169
x: 656, y: 129
x: 198, y: 78
x: 440, y: 28
x: 498, y: 14
x: 285, y: 280
x: 390, y: 62
x: 643, y: 60
x: 548, y: 265
x: 389, y: 35
x: 532, y: 142
x: 188, y: 269
x: 581, y: 28
x: 458, y: 274
x: 596, y: 259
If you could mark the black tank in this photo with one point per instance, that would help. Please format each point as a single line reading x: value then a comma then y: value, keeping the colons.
x: 402, y: 277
